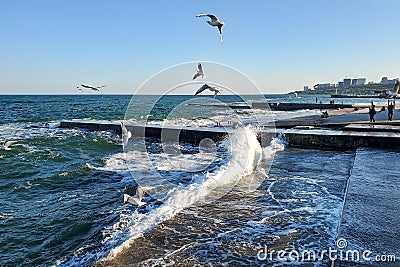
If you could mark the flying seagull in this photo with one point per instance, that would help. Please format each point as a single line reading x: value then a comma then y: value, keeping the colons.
x: 125, y: 134
x: 211, y: 88
x: 214, y: 22
x: 91, y: 87
x: 199, y: 72
x: 137, y: 198
x: 7, y: 145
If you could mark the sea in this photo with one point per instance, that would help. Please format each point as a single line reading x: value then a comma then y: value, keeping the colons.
x: 227, y: 203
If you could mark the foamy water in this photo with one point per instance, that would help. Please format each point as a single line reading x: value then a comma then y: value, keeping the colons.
x: 302, y: 211
x: 218, y: 204
x: 190, y: 181
x: 242, y: 154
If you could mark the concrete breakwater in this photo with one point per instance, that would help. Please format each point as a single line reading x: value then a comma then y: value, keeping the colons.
x: 277, y: 106
x: 191, y: 135
x: 297, y: 106
x: 347, y: 136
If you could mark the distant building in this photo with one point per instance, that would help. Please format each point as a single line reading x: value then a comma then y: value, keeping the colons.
x: 358, y: 81
x: 306, y: 88
x: 346, y: 82
x: 341, y: 85
x: 322, y: 86
x: 386, y: 81
x: 361, y: 81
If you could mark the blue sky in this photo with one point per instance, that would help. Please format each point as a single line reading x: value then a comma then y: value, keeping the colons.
x: 50, y: 46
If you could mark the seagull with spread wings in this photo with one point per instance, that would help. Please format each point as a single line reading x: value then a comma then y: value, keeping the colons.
x: 97, y: 88
x: 7, y: 145
x: 137, y: 198
x: 214, y: 22
x: 199, y: 72
x: 211, y: 88
x: 126, y: 135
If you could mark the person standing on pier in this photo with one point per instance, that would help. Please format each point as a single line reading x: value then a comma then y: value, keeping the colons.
x: 390, y: 111
x: 372, y: 113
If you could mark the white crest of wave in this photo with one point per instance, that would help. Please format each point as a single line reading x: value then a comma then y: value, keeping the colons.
x: 246, y: 154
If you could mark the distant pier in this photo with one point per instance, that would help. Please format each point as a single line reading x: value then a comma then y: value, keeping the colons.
x: 275, y: 106
x: 355, y: 96
x: 297, y: 106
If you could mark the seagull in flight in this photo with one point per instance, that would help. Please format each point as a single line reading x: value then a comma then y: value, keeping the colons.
x: 7, y: 145
x: 214, y: 22
x: 125, y: 134
x: 97, y: 88
x: 199, y: 72
x: 211, y: 88
x: 137, y: 198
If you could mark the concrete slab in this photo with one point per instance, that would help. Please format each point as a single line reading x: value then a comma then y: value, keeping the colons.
x: 372, y: 127
x: 371, y: 218
x: 298, y: 137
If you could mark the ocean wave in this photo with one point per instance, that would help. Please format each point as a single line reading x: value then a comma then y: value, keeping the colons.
x: 246, y: 155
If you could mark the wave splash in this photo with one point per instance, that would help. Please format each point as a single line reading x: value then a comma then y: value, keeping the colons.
x: 246, y: 154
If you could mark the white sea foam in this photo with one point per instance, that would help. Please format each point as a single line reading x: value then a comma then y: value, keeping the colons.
x: 307, y: 200
x: 246, y: 154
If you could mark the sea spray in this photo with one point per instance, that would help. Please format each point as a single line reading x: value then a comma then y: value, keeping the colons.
x: 92, y: 194
x: 246, y: 154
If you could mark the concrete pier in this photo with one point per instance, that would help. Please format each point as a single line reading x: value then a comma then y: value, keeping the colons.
x: 371, y: 218
x: 297, y: 106
x: 343, y: 137
x: 230, y: 105
x: 191, y: 135
x: 276, y: 106
x: 339, y: 139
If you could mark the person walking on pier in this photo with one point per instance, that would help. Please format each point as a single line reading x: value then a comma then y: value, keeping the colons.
x: 372, y: 113
x: 390, y: 111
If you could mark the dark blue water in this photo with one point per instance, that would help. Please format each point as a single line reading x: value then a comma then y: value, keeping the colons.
x: 61, y: 189
x: 43, y: 108
x: 52, y: 200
